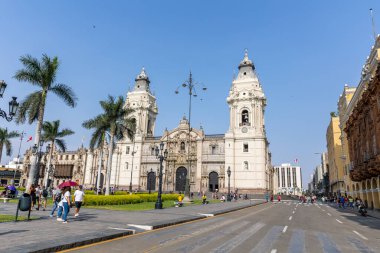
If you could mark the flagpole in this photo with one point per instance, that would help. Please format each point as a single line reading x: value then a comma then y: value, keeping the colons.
x: 18, y: 157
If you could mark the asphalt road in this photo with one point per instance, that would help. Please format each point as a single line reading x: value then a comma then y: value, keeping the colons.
x: 278, y: 227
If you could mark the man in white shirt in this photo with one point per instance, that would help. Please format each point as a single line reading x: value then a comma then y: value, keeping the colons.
x: 79, y: 199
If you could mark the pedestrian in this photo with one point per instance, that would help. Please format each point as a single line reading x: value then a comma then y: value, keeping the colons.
x: 66, y: 204
x: 38, y: 197
x: 33, y: 195
x: 271, y: 198
x: 60, y: 205
x: 204, y: 199
x: 279, y: 198
x: 56, y: 196
x: 266, y: 197
x: 44, y: 196
x: 79, y: 199
x: 351, y: 202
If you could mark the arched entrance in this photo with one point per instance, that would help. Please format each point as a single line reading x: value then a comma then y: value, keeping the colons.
x: 213, y: 181
x: 151, y: 181
x: 180, y: 179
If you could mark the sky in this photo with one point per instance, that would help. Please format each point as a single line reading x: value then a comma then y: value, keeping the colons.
x: 304, y: 52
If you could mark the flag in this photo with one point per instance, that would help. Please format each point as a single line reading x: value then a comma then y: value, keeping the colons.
x: 29, y: 139
x: 296, y: 160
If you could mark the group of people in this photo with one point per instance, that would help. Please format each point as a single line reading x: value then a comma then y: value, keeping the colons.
x: 39, y: 196
x: 344, y: 201
x: 62, y: 200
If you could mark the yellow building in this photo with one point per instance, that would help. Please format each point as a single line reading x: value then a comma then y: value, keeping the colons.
x: 343, y: 103
x: 334, y: 150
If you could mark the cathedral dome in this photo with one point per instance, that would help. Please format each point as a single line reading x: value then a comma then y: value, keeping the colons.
x: 246, y: 62
x: 142, y: 76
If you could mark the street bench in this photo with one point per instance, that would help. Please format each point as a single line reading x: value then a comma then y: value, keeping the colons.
x: 5, y: 199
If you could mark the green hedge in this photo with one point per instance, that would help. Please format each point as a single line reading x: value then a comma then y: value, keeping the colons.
x: 121, y: 193
x: 2, y: 188
x: 101, y: 200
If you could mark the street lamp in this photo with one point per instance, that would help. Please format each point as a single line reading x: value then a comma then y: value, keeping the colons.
x: 47, y: 169
x: 133, y: 155
x: 161, y: 154
x: 192, y: 93
x: 35, y: 151
x: 229, y: 180
x: 13, y: 105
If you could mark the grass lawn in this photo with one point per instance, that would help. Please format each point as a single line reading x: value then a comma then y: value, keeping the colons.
x: 9, y: 217
x: 145, y: 205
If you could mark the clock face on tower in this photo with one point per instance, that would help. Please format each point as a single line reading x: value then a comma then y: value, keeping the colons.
x: 244, y: 130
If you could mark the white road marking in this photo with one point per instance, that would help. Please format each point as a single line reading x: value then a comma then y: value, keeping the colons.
x: 234, y: 242
x: 361, y: 236
x: 285, y: 228
x: 145, y: 227
x: 338, y: 221
x: 293, y: 212
x: 329, y: 214
x: 290, y: 218
x: 207, y: 214
x: 126, y: 229
x: 273, y: 251
x: 323, y: 210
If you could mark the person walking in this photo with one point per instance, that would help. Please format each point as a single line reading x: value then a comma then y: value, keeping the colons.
x: 33, y: 195
x: 79, y: 199
x: 38, y: 197
x: 66, y: 203
x: 351, y: 202
x: 44, y: 196
x: 56, y: 196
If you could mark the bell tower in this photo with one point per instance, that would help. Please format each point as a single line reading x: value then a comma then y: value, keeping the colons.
x: 144, y: 104
x: 245, y: 140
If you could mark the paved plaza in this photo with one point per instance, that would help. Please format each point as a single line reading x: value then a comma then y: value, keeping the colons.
x: 46, y: 234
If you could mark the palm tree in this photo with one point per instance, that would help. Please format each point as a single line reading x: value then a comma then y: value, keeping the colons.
x: 116, y: 123
x: 5, y: 137
x: 43, y: 75
x: 52, y: 133
x: 100, y: 126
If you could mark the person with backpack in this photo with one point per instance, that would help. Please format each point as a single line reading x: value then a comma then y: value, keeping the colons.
x: 44, y: 196
x: 56, y: 199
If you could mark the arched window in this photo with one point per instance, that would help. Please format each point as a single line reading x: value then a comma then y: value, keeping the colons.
x: 245, y: 118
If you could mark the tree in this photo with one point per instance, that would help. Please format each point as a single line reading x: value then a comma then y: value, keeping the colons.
x: 52, y: 133
x: 5, y: 137
x: 116, y: 123
x: 41, y: 74
x: 100, y: 126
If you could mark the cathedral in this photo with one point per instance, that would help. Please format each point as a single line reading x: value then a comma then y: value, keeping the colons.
x: 202, y: 158
x: 205, y: 158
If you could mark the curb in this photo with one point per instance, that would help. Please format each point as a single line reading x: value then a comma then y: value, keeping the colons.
x: 154, y: 227
x: 82, y: 243
x: 357, y: 213
x: 126, y: 233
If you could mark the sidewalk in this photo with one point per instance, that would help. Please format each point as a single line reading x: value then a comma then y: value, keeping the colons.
x: 371, y: 213
x: 47, y: 234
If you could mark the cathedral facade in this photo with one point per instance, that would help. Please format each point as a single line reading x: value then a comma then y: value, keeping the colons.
x: 205, y: 158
